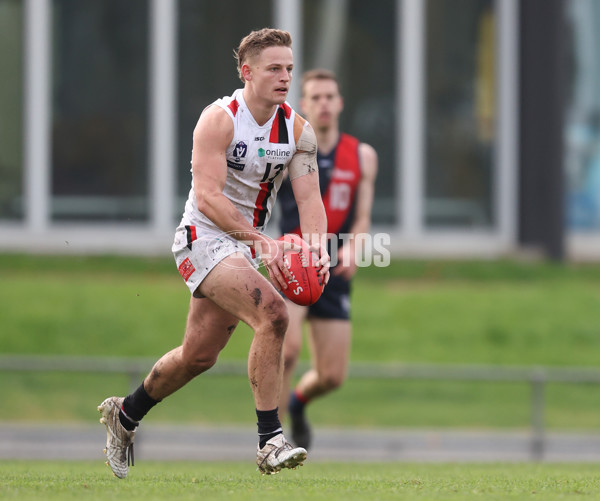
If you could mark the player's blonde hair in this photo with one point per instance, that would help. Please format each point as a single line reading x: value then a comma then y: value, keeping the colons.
x: 319, y: 74
x: 256, y: 41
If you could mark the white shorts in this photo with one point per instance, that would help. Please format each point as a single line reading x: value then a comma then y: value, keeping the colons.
x: 198, y: 250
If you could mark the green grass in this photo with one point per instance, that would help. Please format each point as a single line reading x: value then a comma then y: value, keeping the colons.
x: 481, y: 312
x: 318, y: 481
x: 485, y: 312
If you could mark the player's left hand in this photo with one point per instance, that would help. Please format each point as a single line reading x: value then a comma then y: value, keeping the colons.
x: 319, y: 249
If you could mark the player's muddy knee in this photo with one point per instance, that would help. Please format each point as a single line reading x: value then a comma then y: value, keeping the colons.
x: 277, y: 315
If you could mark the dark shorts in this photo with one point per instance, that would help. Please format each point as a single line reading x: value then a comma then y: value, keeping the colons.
x: 334, y: 303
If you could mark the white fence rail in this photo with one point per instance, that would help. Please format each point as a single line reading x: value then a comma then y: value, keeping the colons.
x: 537, y: 377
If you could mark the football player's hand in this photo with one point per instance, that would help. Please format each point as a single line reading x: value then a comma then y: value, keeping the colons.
x: 319, y: 249
x: 271, y: 254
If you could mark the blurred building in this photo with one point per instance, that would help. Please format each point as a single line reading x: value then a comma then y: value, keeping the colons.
x: 485, y: 115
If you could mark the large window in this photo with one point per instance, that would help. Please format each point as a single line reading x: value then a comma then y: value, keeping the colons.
x: 11, y: 106
x: 356, y: 39
x: 582, y: 150
x: 209, y: 31
x: 100, y: 102
x: 460, y: 113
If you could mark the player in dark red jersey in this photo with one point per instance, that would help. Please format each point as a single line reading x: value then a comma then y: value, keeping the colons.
x: 347, y: 171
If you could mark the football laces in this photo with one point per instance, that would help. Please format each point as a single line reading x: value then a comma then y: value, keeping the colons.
x: 303, y: 259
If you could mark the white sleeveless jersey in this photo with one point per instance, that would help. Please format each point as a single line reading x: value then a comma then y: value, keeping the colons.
x: 256, y: 160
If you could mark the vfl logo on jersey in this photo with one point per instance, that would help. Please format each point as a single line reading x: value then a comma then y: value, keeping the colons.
x: 238, y: 153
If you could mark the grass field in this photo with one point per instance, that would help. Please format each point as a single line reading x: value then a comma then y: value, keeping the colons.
x: 504, y: 313
x: 319, y: 481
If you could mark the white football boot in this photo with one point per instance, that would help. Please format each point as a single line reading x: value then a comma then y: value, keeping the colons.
x: 119, y: 441
x: 278, y: 453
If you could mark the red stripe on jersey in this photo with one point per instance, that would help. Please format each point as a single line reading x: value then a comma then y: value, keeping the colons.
x: 274, y: 136
x: 287, y: 110
x: 279, y: 131
x: 260, y: 206
x: 233, y: 106
x: 191, y: 235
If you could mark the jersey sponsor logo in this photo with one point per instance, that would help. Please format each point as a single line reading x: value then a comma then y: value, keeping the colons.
x: 278, y: 154
x: 235, y: 166
x: 343, y: 175
x: 219, y: 246
x: 259, y: 138
x: 186, y: 268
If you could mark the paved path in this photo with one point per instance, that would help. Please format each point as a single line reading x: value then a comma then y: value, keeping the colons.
x: 203, y: 443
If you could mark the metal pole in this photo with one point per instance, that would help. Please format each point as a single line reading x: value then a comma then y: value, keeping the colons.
x: 163, y: 113
x: 38, y: 68
x: 538, y: 383
x: 411, y: 51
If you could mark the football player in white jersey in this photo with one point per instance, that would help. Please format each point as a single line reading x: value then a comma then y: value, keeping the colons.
x: 242, y: 144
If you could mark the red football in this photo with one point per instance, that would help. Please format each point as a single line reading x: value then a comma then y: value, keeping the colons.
x: 306, y: 285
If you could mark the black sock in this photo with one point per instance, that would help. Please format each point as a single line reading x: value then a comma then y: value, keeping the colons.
x: 297, y: 403
x: 268, y: 425
x: 135, y: 406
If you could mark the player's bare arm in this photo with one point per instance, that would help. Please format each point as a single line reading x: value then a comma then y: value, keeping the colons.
x: 212, y: 136
x: 304, y: 176
x: 362, y: 218
x: 313, y: 220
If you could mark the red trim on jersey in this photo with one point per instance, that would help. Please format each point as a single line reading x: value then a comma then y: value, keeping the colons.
x: 191, y: 235
x: 274, y: 136
x: 287, y: 110
x: 279, y: 132
x: 260, y: 206
x: 233, y: 106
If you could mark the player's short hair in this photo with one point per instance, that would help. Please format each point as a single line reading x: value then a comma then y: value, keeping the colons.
x: 319, y: 74
x: 256, y: 41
